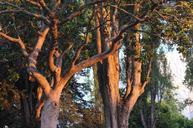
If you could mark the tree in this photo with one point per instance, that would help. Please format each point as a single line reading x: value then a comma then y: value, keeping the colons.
x: 160, y: 89
x: 163, y: 17
x: 164, y: 111
x: 45, y: 25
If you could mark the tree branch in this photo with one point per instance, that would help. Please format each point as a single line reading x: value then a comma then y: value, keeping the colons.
x: 51, y: 61
x: 116, y: 44
x: 57, y: 3
x: 19, y: 9
x: 77, y: 55
x: 79, y: 12
x: 33, y: 61
x: 148, y: 74
x: 128, y: 76
x: 17, y: 41
x: 59, y: 65
x: 34, y: 3
x: 98, y: 32
x: 96, y: 58
x: 42, y: 38
x: 54, y: 49
x: 33, y: 58
x: 42, y: 81
x: 128, y: 13
x: 44, y: 6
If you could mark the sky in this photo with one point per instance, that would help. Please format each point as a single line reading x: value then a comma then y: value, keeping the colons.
x: 178, y: 67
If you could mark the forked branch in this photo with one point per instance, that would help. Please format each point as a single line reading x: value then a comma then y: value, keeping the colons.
x: 17, y: 41
x: 33, y: 61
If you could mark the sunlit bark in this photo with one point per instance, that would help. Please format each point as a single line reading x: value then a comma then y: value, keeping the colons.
x: 116, y: 109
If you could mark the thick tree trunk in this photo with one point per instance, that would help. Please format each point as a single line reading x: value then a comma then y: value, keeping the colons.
x: 110, y: 90
x: 123, y: 120
x: 50, y: 113
x: 120, y: 117
x: 117, y: 110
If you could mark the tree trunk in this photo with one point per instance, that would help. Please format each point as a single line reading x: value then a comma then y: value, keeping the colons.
x: 120, y: 117
x: 153, y: 97
x: 117, y: 110
x: 143, y: 118
x: 110, y: 90
x: 50, y: 113
x: 98, y: 100
x: 124, y: 115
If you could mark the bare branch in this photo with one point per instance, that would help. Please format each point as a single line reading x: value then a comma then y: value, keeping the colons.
x: 96, y: 58
x: 44, y: 6
x: 54, y: 48
x: 43, y: 82
x: 42, y: 38
x: 77, y: 55
x: 40, y: 103
x: 10, y: 4
x: 143, y: 118
x: 125, y: 27
x: 59, y: 65
x: 51, y: 61
x: 57, y: 3
x: 33, y: 61
x: 85, y: 63
x: 128, y: 13
x: 148, y: 74
x: 17, y: 41
x: 32, y: 58
x: 72, y: 15
x: 87, y: 39
x: 63, y: 53
x: 34, y: 3
x: 9, y: 11
x: 53, y: 67
x: 19, y: 9
x: 79, y: 12
x: 98, y: 33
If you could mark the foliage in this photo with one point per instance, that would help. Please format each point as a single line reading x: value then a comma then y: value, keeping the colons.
x: 10, y: 114
x: 158, y: 100
x: 77, y: 107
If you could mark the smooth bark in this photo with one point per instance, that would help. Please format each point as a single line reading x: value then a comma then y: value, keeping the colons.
x: 50, y: 113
